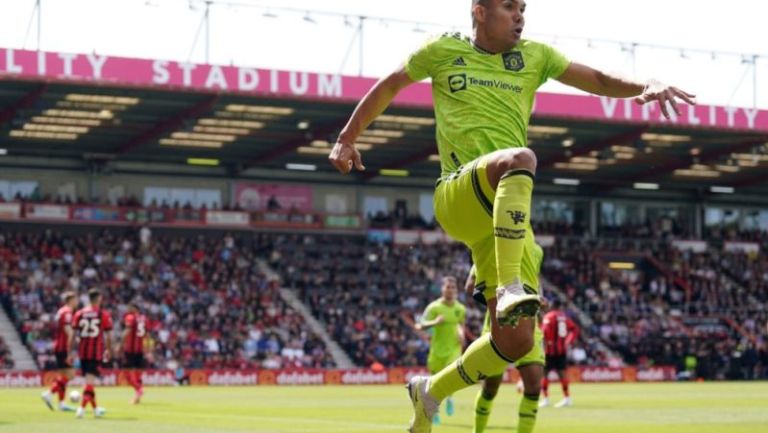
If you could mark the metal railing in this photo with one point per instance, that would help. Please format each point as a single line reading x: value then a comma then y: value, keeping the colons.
x: 358, y: 43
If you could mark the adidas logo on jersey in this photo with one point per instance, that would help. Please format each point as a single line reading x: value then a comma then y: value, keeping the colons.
x: 459, y: 62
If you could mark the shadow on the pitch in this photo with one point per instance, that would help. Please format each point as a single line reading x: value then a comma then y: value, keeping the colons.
x: 154, y: 404
x: 470, y: 427
x: 118, y: 418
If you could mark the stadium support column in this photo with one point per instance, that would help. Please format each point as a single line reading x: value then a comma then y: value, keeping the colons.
x: 39, y: 9
x: 593, y: 214
x: 37, y: 14
x: 92, y: 180
x: 754, y: 81
x: 207, y: 18
x: 229, y: 193
x: 359, y: 206
x: 698, y: 213
x: 362, y: 47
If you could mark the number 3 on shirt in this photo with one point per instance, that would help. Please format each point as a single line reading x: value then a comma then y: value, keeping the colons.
x: 89, y: 328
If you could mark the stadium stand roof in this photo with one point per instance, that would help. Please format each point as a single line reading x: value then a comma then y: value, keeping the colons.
x: 45, y: 117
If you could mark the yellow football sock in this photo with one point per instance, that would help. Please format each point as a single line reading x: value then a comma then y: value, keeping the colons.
x: 481, y: 359
x: 483, y: 406
x: 511, y: 219
x: 529, y: 407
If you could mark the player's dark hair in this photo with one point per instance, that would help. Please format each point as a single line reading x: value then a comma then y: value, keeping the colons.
x: 68, y: 296
x: 556, y: 303
x: 472, y: 13
x: 94, y: 295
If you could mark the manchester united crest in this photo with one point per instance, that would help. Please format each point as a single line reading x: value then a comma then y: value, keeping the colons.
x: 513, y: 61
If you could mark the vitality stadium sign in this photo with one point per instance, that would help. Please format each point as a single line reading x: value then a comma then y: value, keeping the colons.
x: 128, y: 72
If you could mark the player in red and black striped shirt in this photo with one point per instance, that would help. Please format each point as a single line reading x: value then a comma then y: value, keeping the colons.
x: 134, y: 331
x: 93, y: 327
x: 559, y: 333
x: 62, y: 343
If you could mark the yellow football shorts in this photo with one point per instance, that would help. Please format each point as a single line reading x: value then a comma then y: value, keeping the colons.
x: 463, y: 205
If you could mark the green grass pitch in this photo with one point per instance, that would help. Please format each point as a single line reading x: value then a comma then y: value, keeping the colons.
x: 608, y: 408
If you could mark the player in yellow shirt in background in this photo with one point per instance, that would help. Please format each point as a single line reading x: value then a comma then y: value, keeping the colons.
x: 445, y: 317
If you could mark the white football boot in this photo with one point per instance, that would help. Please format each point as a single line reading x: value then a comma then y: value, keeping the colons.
x: 513, y: 304
x: 424, y: 405
x: 47, y: 399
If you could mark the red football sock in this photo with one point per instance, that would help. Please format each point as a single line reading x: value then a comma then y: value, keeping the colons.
x: 564, y: 384
x: 55, y: 386
x: 545, y: 386
x: 61, y: 387
x: 138, y: 383
x: 89, y: 396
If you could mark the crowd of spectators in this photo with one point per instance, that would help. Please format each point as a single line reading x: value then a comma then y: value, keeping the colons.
x: 389, y: 220
x: 675, y: 307
x: 731, y: 288
x: 719, y: 235
x: 128, y: 201
x: 369, y: 294
x: 212, y: 305
x: 209, y: 304
x: 662, y: 228
x: 5, y: 355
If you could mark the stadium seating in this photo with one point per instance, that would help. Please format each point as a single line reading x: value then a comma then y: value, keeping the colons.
x: 368, y: 294
x: 208, y: 303
x: 212, y: 306
x: 5, y: 356
x: 655, y: 317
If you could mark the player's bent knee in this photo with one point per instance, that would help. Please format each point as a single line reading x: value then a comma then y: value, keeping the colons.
x: 533, y: 388
x: 518, y: 159
x: 508, y: 160
x: 491, y: 387
x: 514, y: 346
x: 526, y: 159
x: 531, y: 375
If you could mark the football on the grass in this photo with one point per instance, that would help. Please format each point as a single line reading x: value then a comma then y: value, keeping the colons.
x: 74, y: 396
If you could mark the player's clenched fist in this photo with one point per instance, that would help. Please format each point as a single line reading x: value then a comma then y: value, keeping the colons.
x: 344, y: 157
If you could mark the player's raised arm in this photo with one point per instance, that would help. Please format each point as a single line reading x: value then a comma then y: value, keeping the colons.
x: 605, y: 84
x: 344, y: 156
